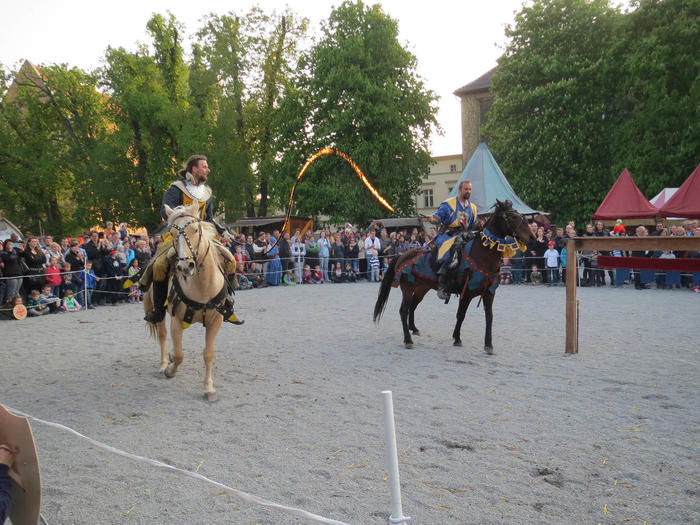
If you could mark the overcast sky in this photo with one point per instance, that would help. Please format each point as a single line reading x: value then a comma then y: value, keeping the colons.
x: 455, y: 41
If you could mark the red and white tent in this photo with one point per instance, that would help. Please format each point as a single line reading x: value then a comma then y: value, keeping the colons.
x: 685, y: 202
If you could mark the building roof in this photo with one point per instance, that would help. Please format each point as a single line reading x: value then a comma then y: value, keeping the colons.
x: 625, y: 201
x: 483, y: 83
x: 7, y: 228
x: 489, y: 184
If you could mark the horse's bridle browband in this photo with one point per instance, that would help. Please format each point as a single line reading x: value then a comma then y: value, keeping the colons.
x: 182, y: 233
x: 515, y: 230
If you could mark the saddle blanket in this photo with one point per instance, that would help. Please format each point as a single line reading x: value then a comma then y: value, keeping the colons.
x: 421, y: 266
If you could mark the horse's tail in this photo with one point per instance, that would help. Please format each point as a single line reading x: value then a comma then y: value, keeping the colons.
x: 384, y: 290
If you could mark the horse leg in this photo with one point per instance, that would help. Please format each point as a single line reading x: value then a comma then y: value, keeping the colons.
x: 162, y: 332
x: 488, y: 312
x: 417, y: 298
x: 403, y: 311
x: 461, y: 313
x: 213, y: 326
x: 177, y: 356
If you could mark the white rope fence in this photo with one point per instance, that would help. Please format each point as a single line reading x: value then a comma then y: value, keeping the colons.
x: 248, y: 498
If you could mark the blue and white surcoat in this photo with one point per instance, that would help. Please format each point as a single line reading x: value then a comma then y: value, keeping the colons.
x: 455, y: 216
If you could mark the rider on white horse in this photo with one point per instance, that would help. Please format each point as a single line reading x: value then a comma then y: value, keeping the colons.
x: 189, y: 187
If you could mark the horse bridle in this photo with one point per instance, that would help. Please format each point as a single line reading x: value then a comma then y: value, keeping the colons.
x: 181, y: 232
x: 520, y: 222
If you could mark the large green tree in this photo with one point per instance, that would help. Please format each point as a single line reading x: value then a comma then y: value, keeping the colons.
x: 52, y: 120
x: 357, y: 91
x: 658, y: 78
x: 253, y: 57
x: 551, y: 122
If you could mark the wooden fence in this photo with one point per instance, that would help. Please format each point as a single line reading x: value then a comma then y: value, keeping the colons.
x: 609, y: 244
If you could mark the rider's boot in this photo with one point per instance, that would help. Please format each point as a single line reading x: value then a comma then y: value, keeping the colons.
x: 160, y: 294
x: 226, y: 309
x: 442, y: 292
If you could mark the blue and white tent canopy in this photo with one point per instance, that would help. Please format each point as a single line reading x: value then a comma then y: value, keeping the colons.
x: 489, y: 184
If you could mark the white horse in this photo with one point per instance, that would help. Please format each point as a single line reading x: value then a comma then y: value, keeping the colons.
x: 196, y: 288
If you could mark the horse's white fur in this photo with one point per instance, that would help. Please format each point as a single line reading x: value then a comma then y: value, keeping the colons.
x: 204, y: 285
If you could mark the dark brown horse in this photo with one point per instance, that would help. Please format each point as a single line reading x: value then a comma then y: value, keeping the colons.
x: 505, y: 228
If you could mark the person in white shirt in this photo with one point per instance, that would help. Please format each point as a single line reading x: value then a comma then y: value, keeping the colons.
x: 372, y: 247
x: 551, y: 257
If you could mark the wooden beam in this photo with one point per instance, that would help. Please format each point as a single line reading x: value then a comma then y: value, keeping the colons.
x: 637, y: 243
x: 571, y: 278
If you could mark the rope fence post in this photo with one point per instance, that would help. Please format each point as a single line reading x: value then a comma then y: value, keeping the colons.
x: 392, y: 461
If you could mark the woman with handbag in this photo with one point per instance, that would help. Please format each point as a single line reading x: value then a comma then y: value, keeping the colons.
x: 35, y: 259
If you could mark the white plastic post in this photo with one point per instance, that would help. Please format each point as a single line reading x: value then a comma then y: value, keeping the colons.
x: 392, y: 460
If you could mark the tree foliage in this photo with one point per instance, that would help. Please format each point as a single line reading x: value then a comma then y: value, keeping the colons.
x: 583, y: 91
x: 357, y: 91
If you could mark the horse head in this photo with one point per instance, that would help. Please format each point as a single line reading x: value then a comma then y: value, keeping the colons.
x: 507, y: 221
x: 190, y: 235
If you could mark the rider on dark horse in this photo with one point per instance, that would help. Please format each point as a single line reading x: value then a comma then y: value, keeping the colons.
x: 188, y: 187
x: 455, y: 215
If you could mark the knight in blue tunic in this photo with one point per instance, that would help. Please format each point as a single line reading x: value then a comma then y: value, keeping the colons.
x: 454, y: 215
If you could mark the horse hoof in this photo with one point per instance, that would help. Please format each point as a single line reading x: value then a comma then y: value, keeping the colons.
x: 408, y: 345
x: 488, y: 350
x: 167, y: 374
x: 211, y: 396
x: 415, y: 332
x: 457, y: 342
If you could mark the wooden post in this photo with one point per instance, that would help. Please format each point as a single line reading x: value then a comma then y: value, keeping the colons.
x: 571, y: 274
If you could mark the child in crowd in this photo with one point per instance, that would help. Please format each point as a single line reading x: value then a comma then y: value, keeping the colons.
x: 68, y: 282
x: 238, y: 255
x: 350, y: 274
x: 506, y: 276
x: 306, y: 276
x: 551, y: 258
x: 135, y: 290
x: 89, y: 278
x: 243, y: 281
x: 35, y: 306
x: 385, y: 267
x: 374, y: 269
x: 51, y: 299
x: 289, y: 278
x: 122, y: 255
x: 53, y: 276
x: 337, y: 275
x: 535, y: 275
x: 70, y: 303
x: 317, y: 275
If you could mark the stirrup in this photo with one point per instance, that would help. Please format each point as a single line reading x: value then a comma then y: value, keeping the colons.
x: 226, y: 310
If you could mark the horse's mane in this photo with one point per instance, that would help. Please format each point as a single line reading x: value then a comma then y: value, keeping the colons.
x: 502, y: 206
x: 208, y: 229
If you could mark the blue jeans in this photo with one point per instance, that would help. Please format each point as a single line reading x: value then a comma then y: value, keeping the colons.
x: 324, y: 266
x: 552, y: 275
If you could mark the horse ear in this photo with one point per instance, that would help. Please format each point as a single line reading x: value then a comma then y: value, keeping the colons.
x: 168, y: 210
x: 195, y: 204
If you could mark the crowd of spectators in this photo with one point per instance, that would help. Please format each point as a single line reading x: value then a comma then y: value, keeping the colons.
x: 87, y: 272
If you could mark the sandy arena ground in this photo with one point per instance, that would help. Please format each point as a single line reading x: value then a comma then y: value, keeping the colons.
x: 525, y: 436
